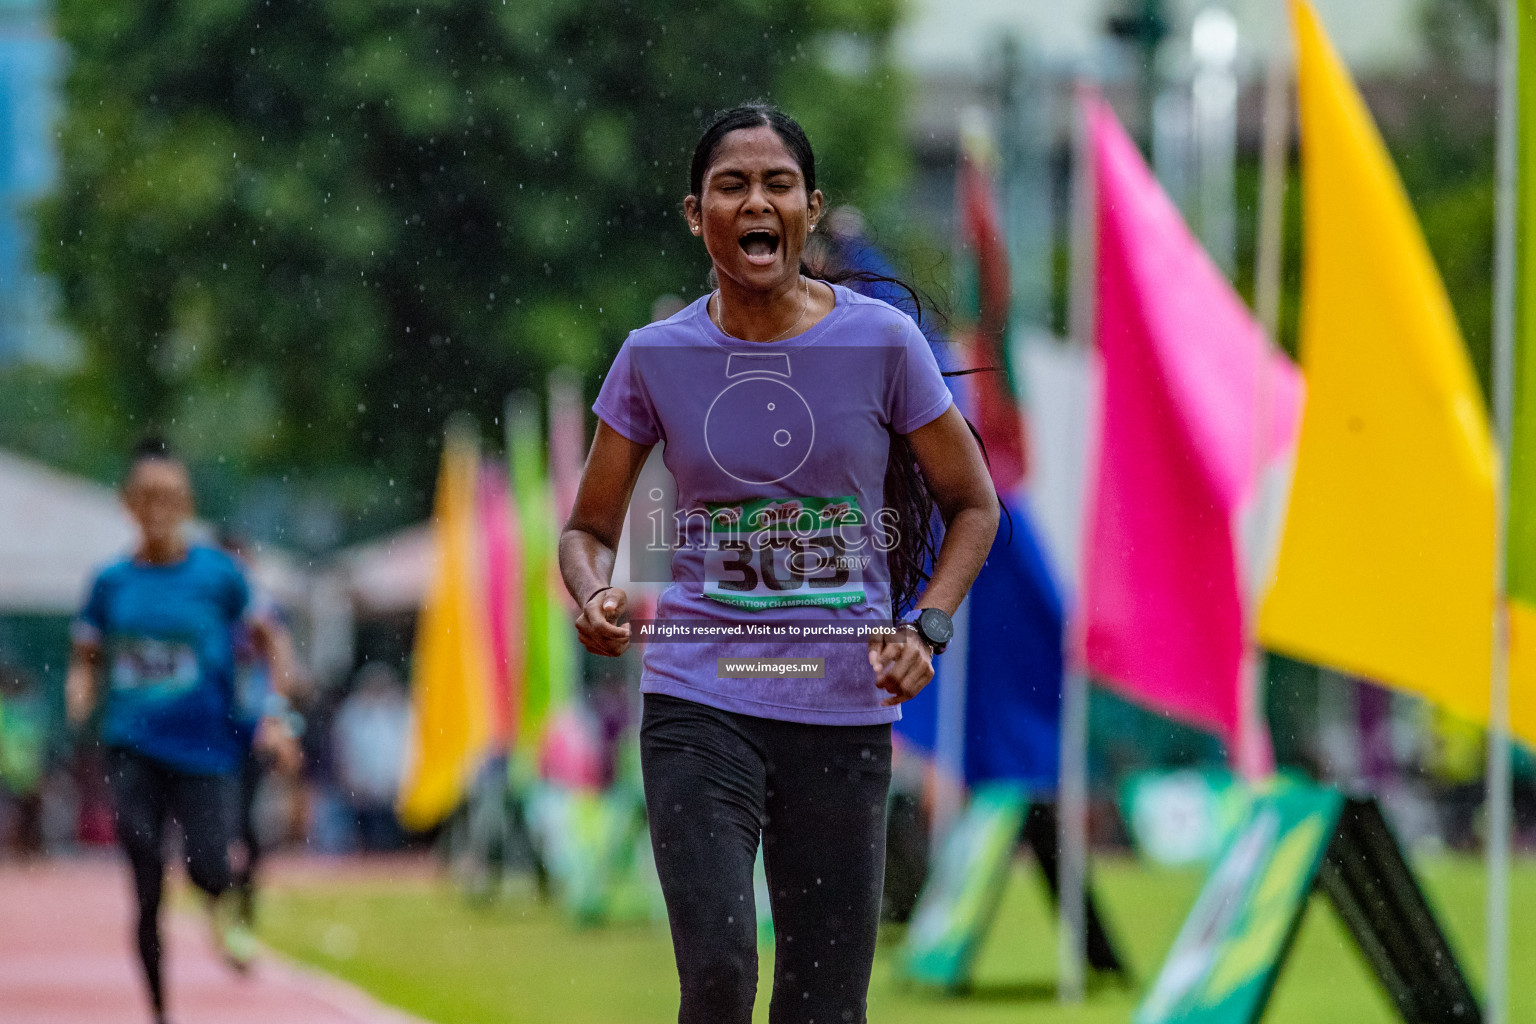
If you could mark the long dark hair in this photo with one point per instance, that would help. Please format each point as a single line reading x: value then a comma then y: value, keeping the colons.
x: 906, y: 492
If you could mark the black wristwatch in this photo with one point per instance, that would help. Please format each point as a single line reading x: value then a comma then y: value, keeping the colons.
x: 935, y: 627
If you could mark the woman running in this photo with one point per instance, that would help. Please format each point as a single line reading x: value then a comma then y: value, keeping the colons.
x: 810, y: 435
x: 160, y: 627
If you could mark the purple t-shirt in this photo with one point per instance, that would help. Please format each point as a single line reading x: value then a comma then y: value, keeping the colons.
x: 778, y: 451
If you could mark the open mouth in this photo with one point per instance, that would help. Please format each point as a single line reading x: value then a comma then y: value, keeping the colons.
x: 760, y: 245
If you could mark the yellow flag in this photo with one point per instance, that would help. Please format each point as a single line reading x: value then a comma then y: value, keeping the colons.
x: 451, y: 664
x: 1522, y: 671
x: 1387, y: 560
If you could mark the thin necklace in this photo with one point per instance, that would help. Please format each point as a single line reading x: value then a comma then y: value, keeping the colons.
x: 804, y: 305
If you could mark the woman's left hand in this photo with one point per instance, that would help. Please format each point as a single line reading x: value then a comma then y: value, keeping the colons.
x: 903, y: 664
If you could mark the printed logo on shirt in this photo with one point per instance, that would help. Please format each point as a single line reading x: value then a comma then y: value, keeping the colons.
x: 789, y: 553
x: 152, y: 667
x: 759, y: 429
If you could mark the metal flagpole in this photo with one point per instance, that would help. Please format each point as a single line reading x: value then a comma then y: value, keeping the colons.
x: 1253, y: 755
x: 1266, y: 287
x: 1072, y: 818
x: 1213, y: 46
x: 949, y: 731
x: 1497, y: 998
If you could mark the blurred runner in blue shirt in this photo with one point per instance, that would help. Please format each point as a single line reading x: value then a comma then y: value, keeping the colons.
x: 154, y: 646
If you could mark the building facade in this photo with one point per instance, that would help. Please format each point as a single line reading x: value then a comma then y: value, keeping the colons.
x: 31, y: 62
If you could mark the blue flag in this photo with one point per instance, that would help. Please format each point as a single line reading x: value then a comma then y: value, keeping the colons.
x: 1014, y: 661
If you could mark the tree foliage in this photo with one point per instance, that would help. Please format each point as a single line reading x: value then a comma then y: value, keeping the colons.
x: 1445, y: 152
x: 297, y: 234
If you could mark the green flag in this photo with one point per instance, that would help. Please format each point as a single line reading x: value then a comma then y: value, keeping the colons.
x: 1521, y: 541
x: 1522, y: 457
x: 547, y: 636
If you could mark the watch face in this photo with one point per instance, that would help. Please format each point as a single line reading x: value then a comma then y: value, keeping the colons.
x: 935, y: 625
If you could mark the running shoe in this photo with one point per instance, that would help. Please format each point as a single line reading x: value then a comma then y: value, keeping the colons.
x: 235, y: 941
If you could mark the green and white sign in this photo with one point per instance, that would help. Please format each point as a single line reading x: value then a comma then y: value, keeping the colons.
x: 966, y: 883
x: 1224, y: 962
x: 1298, y: 838
x: 963, y: 892
x: 597, y: 851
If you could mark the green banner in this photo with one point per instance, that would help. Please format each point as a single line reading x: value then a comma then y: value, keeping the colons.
x: 1225, y: 959
x: 962, y: 895
x: 1522, y: 457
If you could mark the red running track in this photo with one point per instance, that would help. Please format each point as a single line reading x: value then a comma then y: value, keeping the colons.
x: 66, y: 957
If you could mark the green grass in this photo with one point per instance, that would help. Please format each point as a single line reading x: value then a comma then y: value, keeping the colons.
x: 417, y: 945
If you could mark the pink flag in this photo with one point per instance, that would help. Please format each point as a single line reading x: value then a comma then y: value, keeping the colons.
x: 1195, y: 407
x: 567, y: 442
x: 503, y: 599
x: 567, y: 437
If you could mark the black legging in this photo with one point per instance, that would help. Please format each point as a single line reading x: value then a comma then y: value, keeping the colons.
x: 714, y: 782
x: 244, y: 878
x: 145, y: 793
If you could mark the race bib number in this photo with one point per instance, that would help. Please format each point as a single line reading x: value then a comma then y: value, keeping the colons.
x: 794, y: 553
x: 153, y: 668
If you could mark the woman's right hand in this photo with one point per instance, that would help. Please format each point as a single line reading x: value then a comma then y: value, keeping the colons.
x: 598, y: 627
x: 80, y: 682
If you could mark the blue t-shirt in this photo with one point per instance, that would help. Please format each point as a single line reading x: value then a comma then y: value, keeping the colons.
x: 779, y: 452
x: 167, y: 634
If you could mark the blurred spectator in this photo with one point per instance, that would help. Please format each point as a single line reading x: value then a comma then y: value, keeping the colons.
x: 1456, y: 761
x: 666, y: 306
x: 368, y: 738
x: 22, y: 743
x: 266, y: 722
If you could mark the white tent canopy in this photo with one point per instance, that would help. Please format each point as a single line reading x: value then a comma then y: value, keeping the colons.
x: 389, y: 575
x: 57, y: 530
